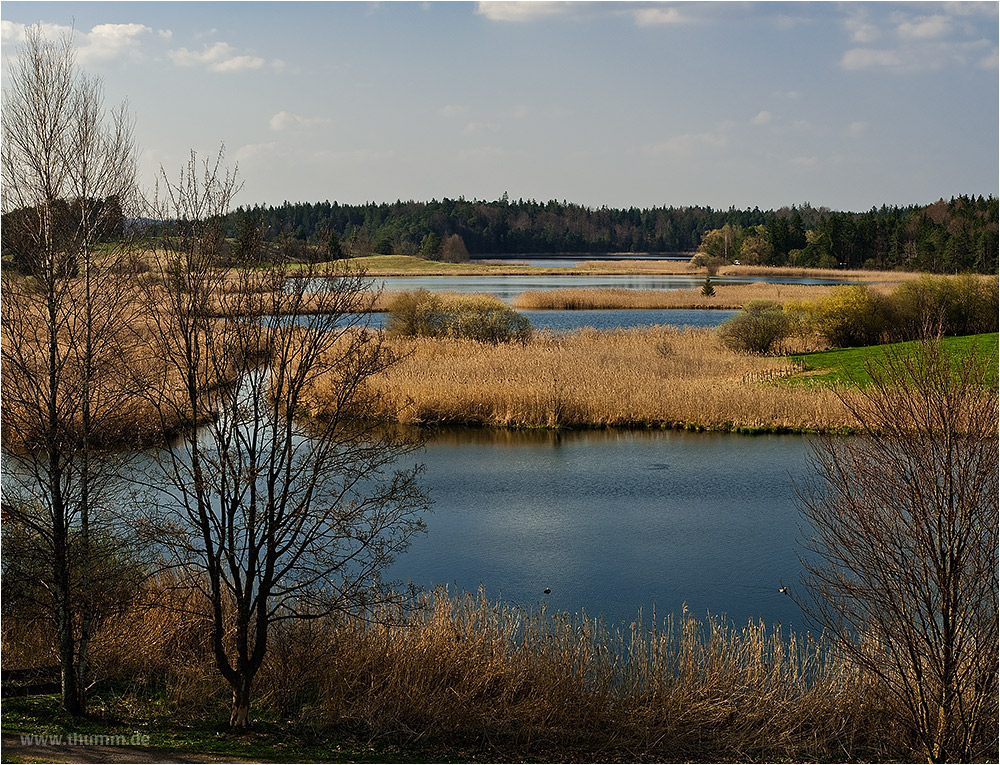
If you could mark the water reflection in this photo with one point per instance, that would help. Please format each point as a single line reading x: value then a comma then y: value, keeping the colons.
x: 610, y: 521
x: 613, y: 522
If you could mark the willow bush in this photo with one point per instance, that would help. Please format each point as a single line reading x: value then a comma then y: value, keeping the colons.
x: 759, y: 328
x: 483, y: 318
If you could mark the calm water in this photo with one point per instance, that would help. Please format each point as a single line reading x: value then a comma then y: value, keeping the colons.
x: 562, y: 321
x: 568, y: 260
x: 614, y: 522
x: 509, y: 287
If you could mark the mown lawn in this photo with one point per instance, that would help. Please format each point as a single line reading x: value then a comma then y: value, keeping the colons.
x: 848, y: 365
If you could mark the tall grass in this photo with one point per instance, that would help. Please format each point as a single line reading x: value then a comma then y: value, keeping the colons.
x: 661, y: 376
x: 459, y: 669
x: 860, y: 275
x: 727, y: 296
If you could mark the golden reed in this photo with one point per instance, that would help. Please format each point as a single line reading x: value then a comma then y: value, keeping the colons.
x: 659, y: 377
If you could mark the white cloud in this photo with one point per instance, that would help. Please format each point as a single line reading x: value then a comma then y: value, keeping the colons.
x: 102, y: 43
x: 473, y: 128
x: 107, y: 41
x: 861, y: 29
x: 255, y: 149
x: 856, y: 129
x: 647, y: 17
x: 916, y: 43
x: 924, y: 28
x: 688, y: 144
x: 763, y: 117
x: 11, y: 32
x: 520, y: 11
x: 452, y: 110
x: 925, y: 56
x: 870, y: 58
x: 219, y: 57
x: 287, y: 121
x: 990, y: 61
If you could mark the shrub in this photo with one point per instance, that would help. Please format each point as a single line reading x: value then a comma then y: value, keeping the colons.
x: 757, y: 328
x: 959, y: 305
x: 483, y: 318
x: 415, y: 314
x: 853, y: 316
x: 710, y: 262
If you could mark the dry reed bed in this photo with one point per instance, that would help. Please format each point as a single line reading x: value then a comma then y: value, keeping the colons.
x: 661, y: 377
x: 891, y: 277
x: 727, y: 296
x: 464, y: 671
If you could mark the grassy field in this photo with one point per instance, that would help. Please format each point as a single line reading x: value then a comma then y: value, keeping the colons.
x: 848, y: 365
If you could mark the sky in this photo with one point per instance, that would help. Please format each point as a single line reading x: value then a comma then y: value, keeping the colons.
x: 842, y: 105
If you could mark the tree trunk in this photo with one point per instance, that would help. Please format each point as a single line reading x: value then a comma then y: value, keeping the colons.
x: 240, y: 717
x: 71, y: 698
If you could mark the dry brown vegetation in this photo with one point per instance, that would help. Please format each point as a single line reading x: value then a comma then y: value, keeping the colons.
x: 501, y: 681
x: 890, y: 277
x: 727, y: 296
x: 661, y: 377
x: 120, y: 392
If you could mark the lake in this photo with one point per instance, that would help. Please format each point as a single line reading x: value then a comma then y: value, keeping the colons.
x: 564, y: 321
x: 565, y: 260
x: 613, y: 522
x: 510, y: 286
x: 610, y: 521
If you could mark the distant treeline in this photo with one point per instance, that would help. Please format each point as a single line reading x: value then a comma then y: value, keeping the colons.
x: 944, y: 237
x: 959, y: 235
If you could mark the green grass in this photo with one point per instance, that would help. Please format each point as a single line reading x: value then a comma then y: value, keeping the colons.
x: 847, y: 365
x: 268, y: 741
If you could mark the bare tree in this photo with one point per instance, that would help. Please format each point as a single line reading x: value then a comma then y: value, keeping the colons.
x: 280, y: 497
x: 903, y: 535
x: 68, y: 181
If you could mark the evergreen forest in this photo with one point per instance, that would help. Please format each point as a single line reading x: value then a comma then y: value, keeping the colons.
x: 959, y: 235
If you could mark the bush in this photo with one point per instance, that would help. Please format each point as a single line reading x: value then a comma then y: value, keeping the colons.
x: 959, y: 305
x: 483, y: 318
x: 757, y: 328
x: 415, y: 314
x: 853, y: 316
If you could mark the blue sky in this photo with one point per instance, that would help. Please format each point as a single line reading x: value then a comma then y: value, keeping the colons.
x: 846, y: 105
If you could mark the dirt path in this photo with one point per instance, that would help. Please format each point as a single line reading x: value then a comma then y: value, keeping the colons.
x: 65, y: 752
